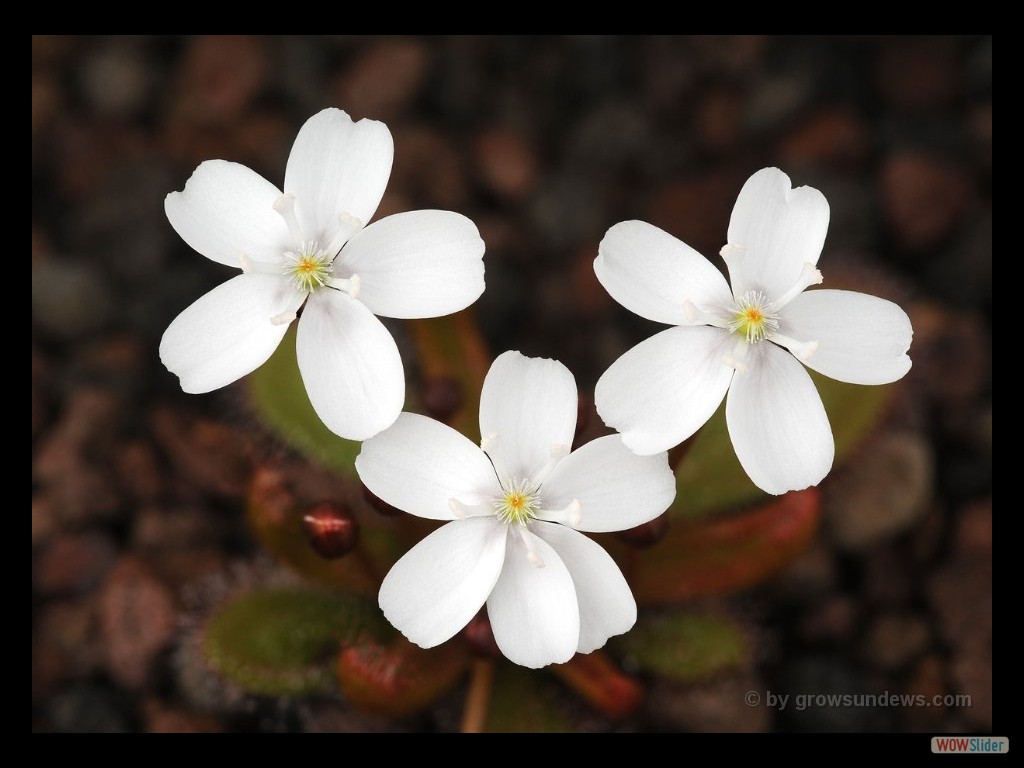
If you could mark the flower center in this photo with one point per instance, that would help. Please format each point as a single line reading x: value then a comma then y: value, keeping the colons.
x: 518, y: 505
x: 755, y: 318
x: 309, y: 269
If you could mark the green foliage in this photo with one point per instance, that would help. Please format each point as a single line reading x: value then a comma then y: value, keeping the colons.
x: 710, y: 479
x: 280, y: 641
x: 521, y: 703
x: 686, y: 647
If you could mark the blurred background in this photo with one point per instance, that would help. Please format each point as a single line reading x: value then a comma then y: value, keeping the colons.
x: 545, y: 142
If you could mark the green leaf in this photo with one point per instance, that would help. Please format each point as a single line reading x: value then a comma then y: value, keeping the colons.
x: 686, y: 647
x: 521, y: 703
x: 282, y: 641
x: 279, y: 398
x: 710, y: 479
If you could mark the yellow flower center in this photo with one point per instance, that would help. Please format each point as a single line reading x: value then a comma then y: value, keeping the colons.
x: 518, y: 505
x: 755, y: 317
x: 308, y: 270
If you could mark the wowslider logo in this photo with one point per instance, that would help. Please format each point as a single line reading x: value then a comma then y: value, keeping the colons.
x: 970, y: 744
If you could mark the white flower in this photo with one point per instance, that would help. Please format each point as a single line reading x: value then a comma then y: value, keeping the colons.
x: 736, y: 340
x: 308, y: 246
x: 516, y: 507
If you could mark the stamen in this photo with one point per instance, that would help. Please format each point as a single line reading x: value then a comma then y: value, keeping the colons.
x: 731, y: 249
x: 348, y: 225
x: 531, y: 553
x: 802, y: 350
x: 462, y: 511
x: 518, y: 505
x: 755, y: 318
x: 309, y: 269
x: 290, y: 311
x: 557, y: 452
x: 349, y: 285
x: 697, y: 316
x: 738, y: 357
x: 252, y: 267
x: 809, y: 275
x: 285, y: 205
x: 570, y: 514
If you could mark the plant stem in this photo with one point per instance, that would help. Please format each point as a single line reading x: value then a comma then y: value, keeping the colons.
x: 474, y: 716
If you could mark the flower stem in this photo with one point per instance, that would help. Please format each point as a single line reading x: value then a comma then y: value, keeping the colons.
x: 474, y: 716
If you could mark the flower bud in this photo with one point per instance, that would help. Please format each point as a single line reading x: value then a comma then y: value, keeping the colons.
x: 331, y: 530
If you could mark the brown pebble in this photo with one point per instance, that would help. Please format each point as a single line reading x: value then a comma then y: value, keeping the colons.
x: 696, y: 210
x: 718, y: 118
x: 219, y: 77
x: 506, y: 163
x: 894, y: 640
x: 832, y: 620
x: 920, y: 74
x: 384, y: 79
x: 927, y: 680
x: 833, y: 137
x: 44, y: 522
x: 719, y: 707
x: 164, y: 718
x: 137, y: 617
x: 69, y: 631
x: 925, y: 199
x: 73, y: 563
x: 139, y: 472
x: 159, y: 528
x: 881, y: 493
x: 209, y: 454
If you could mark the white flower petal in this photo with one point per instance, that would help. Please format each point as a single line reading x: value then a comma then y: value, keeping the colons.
x: 226, y: 210
x: 337, y: 167
x: 350, y: 365
x: 777, y: 423
x: 440, y: 584
x: 606, y: 604
x: 664, y: 389
x: 774, y: 231
x: 653, y: 274
x: 616, y: 488
x: 418, y: 464
x: 860, y: 339
x: 528, y: 406
x: 533, y: 610
x: 227, y: 333
x: 417, y: 264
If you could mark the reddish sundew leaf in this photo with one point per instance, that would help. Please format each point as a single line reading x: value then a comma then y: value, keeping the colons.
x: 397, y: 678
x: 723, y: 555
